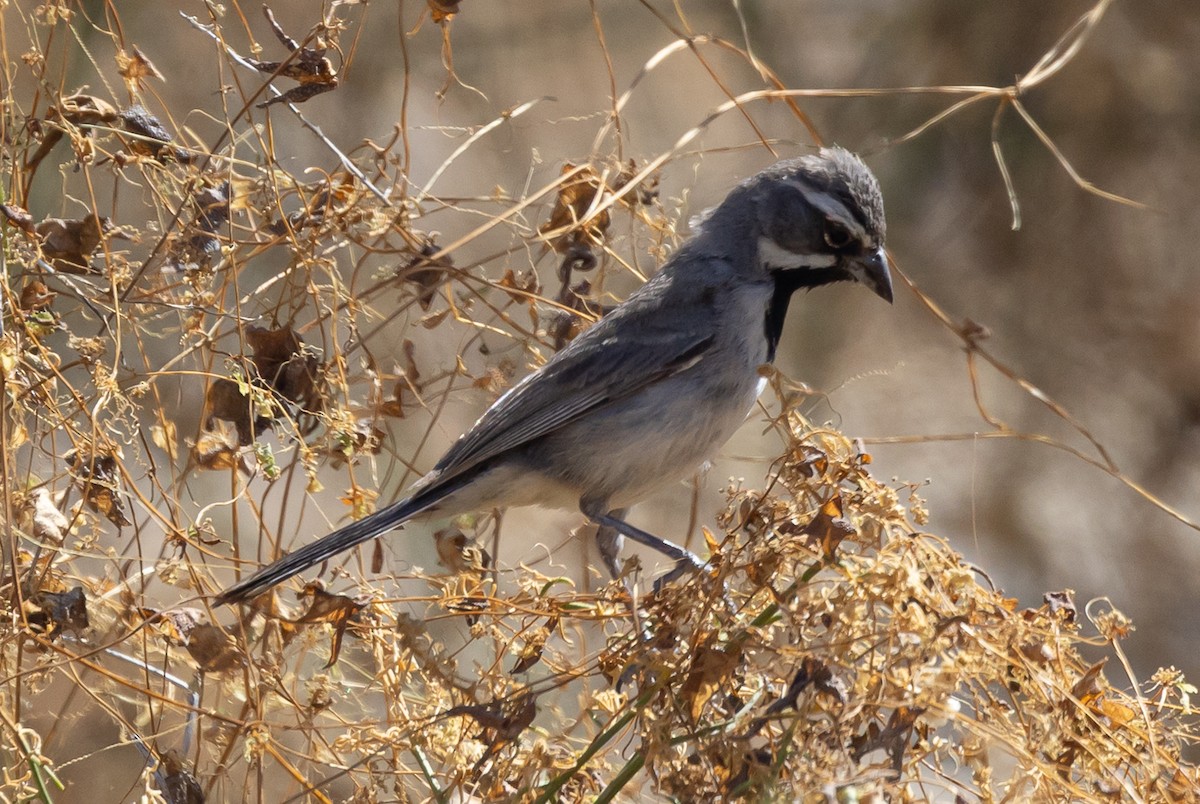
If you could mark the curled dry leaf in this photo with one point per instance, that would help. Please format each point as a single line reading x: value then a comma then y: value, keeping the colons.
x: 443, y: 10
x: 214, y: 649
x: 35, y: 296
x: 309, y: 66
x: 79, y: 113
x: 227, y: 400
x: 134, y: 68
x: 1061, y: 604
x: 709, y: 674
x: 534, y: 645
x: 95, y: 473
x: 49, y: 523
x: 828, y: 528
x: 285, y: 365
x: 428, y: 275
x: 18, y: 217
x: 217, y: 449
x: 501, y: 722
x: 150, y: 137
x: 337, y: 610
x: 346, y: 445
x: 332, y: 198
x: 892, y: 738
x: 175, y: 625
x: 460, y: 554
x: 50, y: 613
x: 69, y: 243
x: 177, y: 780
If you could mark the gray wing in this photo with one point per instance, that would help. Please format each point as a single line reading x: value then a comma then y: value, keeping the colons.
x: 636, y: 345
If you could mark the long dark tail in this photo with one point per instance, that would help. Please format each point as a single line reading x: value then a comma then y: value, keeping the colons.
x: 341, y: 539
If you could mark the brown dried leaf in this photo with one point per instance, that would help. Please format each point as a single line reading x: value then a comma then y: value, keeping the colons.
x: 98, y: 480
x: 226, y: 401
x: 1061, y: 604
x: 134, y: 67
x: 176, y: 625
x: 179, y: 782
x: 427, y: 275
x: 15, y: 216
x: 49, y: 613
x: 338, y: 610
x: 522, y: 287
x: 69, y: 244
x: 443, y: 10
x: 575, y: 198
x: 217, y: 449
x: 36, y: 296
x: 214, y: 649
x: 535, y: 644
x: 709, y: 674
x: 1091, y: 684
x: 501, y: 726
x: 282, y: 362
x: 828, y: 528
x: 151, y: 139
x: 460, y: 554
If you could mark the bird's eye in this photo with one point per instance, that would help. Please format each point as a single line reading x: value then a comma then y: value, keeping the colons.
x: 837, y: 236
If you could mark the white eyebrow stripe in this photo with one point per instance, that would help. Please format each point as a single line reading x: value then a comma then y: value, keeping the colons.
x: 774, y: 255
x: 831, y: 207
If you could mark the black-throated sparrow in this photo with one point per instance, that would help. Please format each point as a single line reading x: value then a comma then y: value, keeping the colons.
x: 652, y: 390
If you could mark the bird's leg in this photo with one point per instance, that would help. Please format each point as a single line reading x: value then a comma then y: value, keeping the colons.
x: 608, y: 540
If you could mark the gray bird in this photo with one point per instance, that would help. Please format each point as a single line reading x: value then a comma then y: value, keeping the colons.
x: 660, y: 383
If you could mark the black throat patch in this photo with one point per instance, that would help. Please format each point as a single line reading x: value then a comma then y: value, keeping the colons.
x: 787, y: 283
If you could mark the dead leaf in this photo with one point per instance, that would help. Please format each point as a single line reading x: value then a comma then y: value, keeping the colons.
x: 459, y: 554
x: 97, y: 477
x: 338, y: 610
x: 69, y: 243
x: 566, y: 229
x: 151, y: 138
x: 893, y: 738
x: 1091, y: 684
x: 49, y: 613
x: 178, y: 782
x: 428, y: 275
x: 225, y: 400
x: 15, y: 216
x: 36, y: 296
x: 174, y: 624
x: 78, y: 113
x: 828, y: 528
x: 709, y: 674
x: 49, y: 523
x: 217, y: 449
x: 284, y: 364
x: 164, y: 437
x: 535, y: 644
x: 1061, y: 604
x: 501, y: 723
x: 213, y: 648
x: 309, y: 66
x: 134, y: 67
x: 443, y: 10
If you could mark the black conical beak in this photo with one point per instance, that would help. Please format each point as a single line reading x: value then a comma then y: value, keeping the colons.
x: 872, y: 271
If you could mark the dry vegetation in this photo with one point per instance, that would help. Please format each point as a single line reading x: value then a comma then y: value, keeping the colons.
x: 249, y: 319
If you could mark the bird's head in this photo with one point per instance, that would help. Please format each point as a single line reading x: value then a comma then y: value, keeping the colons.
x: 814, y: 220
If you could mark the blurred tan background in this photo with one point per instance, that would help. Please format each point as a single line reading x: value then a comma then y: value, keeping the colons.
x: 1094, y: 302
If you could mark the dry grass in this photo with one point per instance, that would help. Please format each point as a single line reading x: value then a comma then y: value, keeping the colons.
x: 200, y: 334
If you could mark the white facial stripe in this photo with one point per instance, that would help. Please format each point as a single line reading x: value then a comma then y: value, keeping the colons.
x: 774, y: 255
x: 832, y: 208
